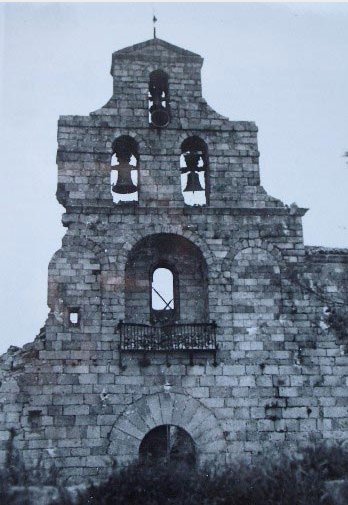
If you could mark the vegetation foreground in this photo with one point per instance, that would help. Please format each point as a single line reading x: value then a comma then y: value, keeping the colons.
x: 278, y: 479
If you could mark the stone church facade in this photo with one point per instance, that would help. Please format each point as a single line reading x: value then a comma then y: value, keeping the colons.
x: 250, y: 352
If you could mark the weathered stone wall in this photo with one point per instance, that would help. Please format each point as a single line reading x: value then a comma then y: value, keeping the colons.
x: 281, y: 375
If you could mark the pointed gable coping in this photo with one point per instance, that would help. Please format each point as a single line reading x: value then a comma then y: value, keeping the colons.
x: 146, y: 49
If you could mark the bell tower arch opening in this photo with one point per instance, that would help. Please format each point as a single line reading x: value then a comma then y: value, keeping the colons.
x: 124, y: 169
x: 159, y: 113
x: 194, y: 171
x: 168, y: 444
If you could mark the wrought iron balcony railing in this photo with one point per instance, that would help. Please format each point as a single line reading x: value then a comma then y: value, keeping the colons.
x: 192, y: 337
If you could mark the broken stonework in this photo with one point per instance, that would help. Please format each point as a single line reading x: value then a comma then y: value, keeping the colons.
x: 254, y: 352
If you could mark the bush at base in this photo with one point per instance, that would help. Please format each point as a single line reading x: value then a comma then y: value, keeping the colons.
x: 281, y: 479
x: 296, y: 478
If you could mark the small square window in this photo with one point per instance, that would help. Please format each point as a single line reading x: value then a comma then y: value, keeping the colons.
x: 35, y: 420
x: 74, y: 316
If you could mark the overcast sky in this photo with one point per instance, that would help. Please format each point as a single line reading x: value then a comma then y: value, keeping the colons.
x: 281, y: 65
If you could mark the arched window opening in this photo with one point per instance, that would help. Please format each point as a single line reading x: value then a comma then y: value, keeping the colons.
x: 168, y: 444
x: 188, y: 279
x: 194, y: 168
x: 163, y: 304
x: 124, y: 170
x: 159, y: 115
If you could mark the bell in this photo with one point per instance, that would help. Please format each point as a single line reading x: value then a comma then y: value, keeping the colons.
x: 192, y: 158
x: 124, y: 182
x: 193, y: 183
x: 160, y: 118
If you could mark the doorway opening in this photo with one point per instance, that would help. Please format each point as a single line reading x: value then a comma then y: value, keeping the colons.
x: 168, y: 444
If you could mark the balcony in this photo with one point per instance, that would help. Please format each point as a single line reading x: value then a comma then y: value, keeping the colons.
x: 190, y: 338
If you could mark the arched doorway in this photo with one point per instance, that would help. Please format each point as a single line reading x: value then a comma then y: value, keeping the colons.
x: 149, y: 412
x: 168, y: 444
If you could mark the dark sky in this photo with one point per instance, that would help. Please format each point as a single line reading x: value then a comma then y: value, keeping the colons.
x: 281, y: 65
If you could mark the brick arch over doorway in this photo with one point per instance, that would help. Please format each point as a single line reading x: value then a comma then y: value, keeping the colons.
x: 166, y: 408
